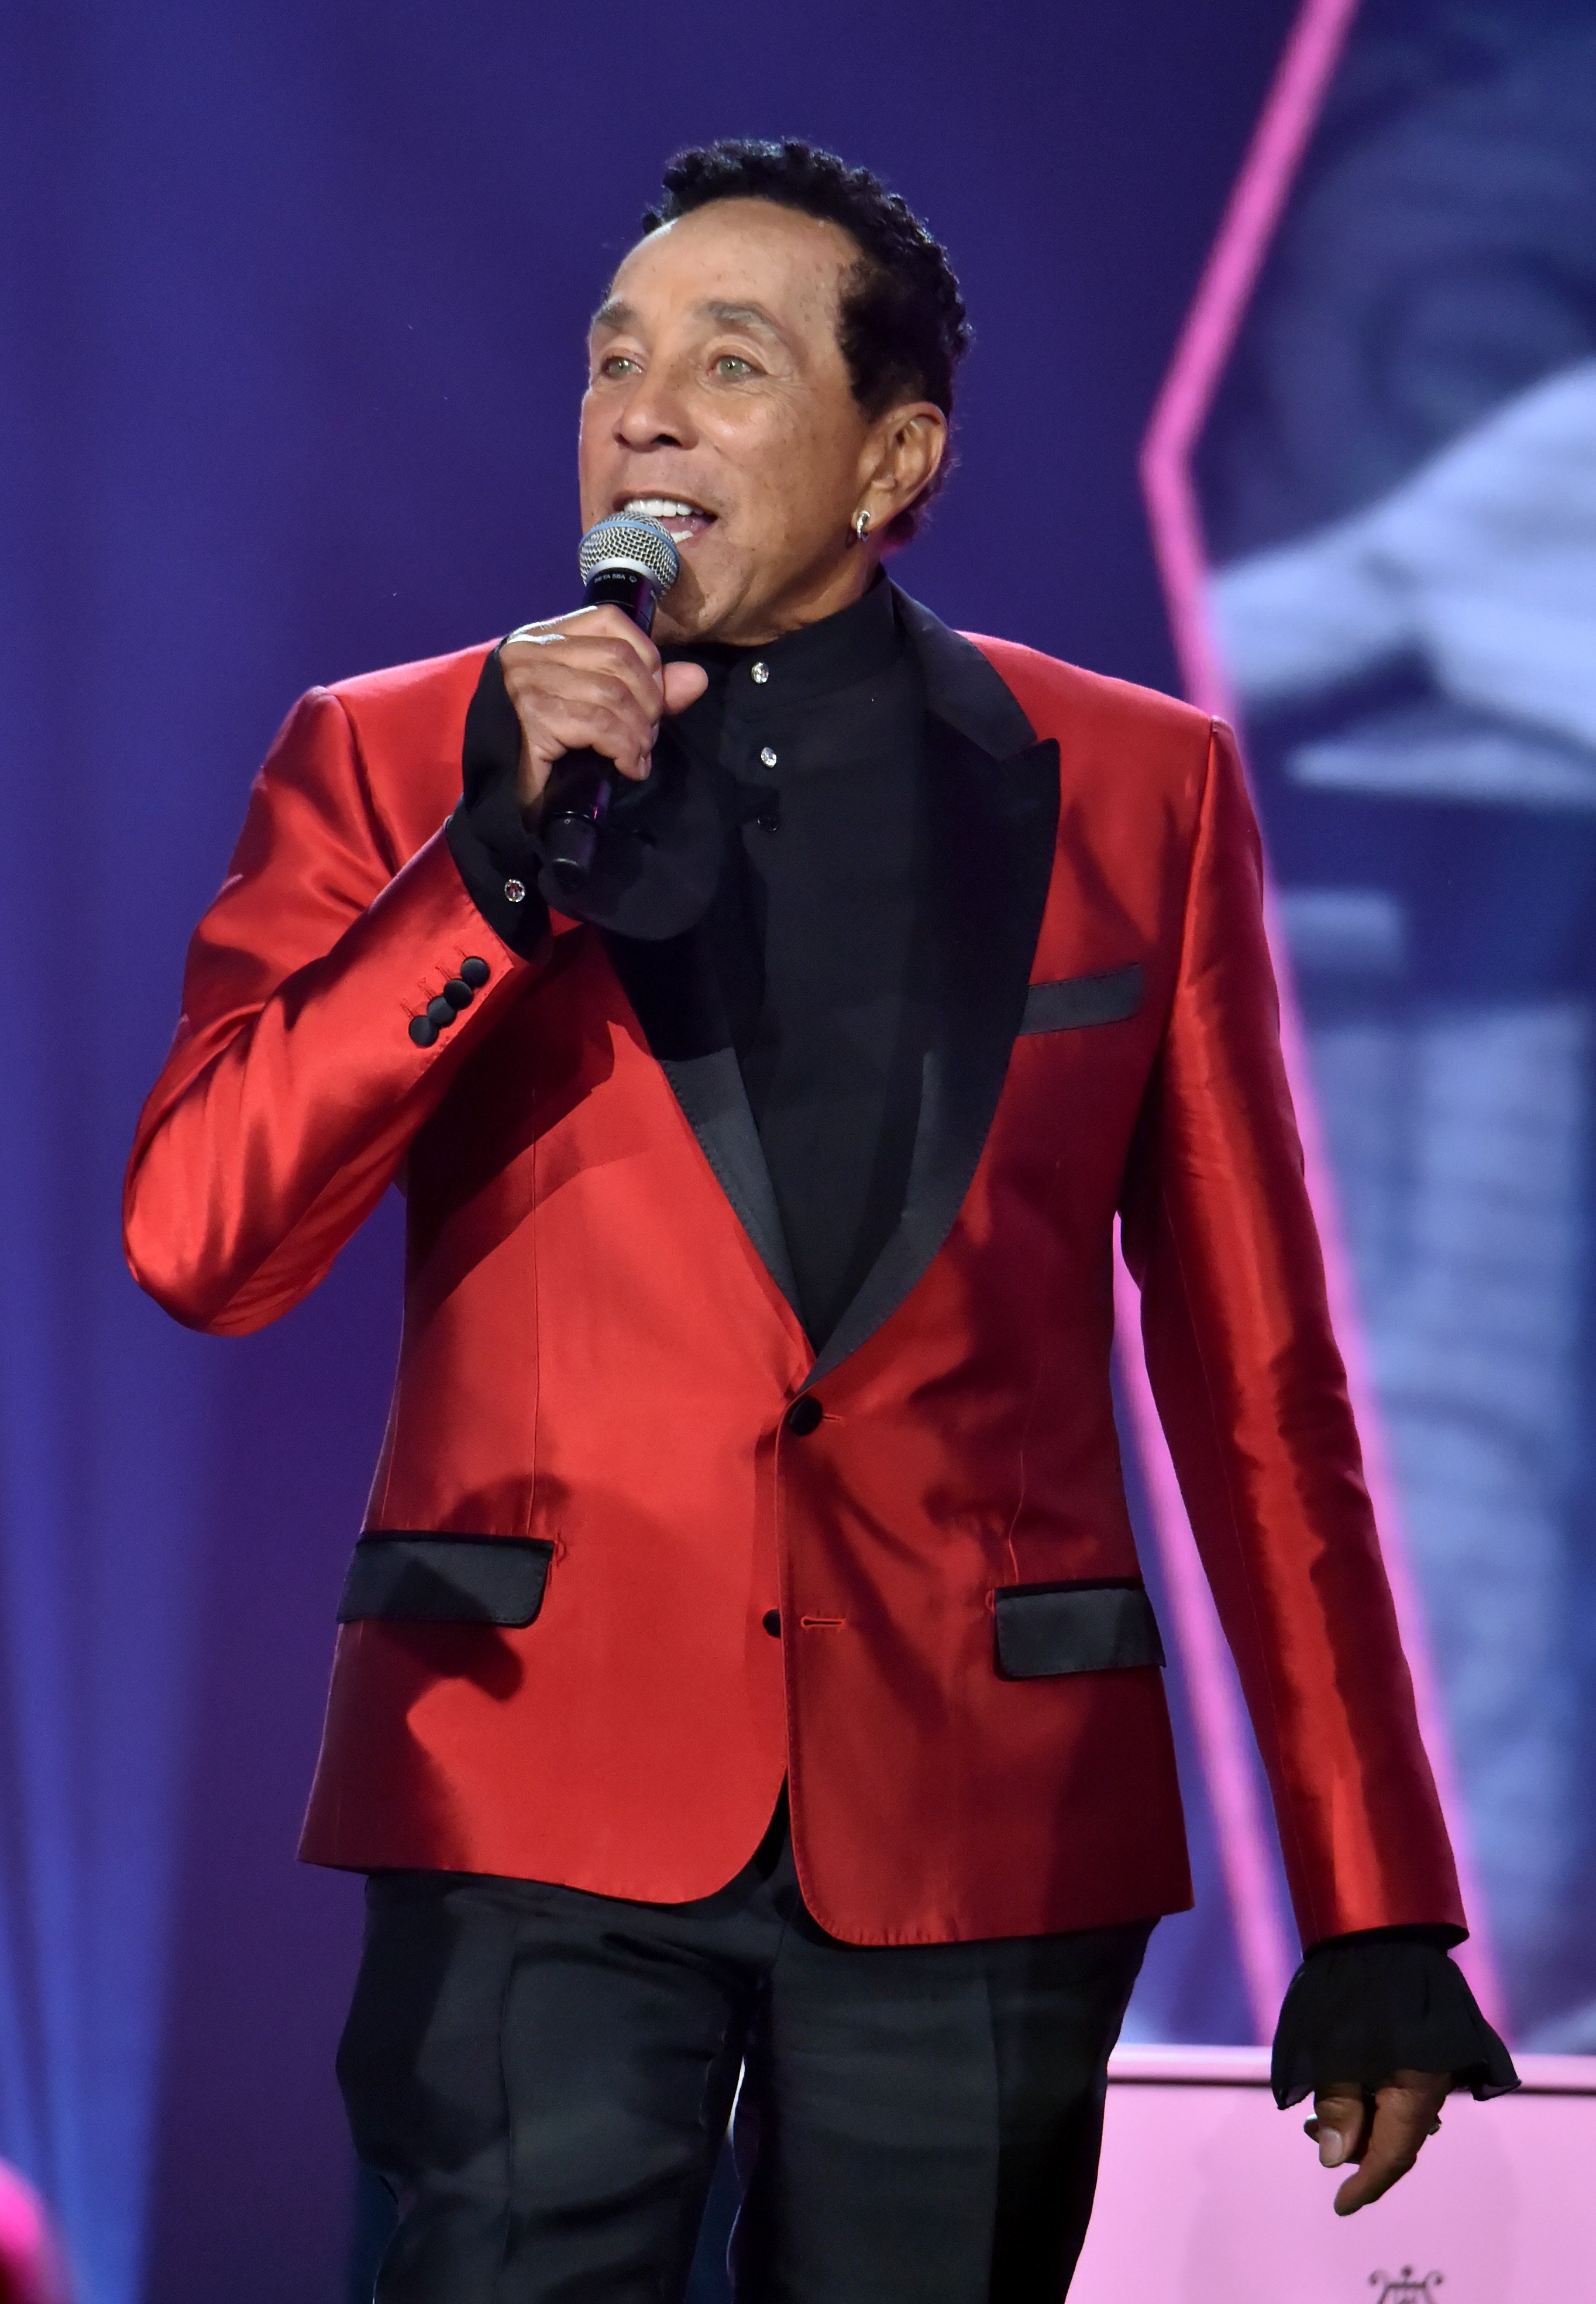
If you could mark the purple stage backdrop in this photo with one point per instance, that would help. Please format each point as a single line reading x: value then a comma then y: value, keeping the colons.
x: 292, y: 299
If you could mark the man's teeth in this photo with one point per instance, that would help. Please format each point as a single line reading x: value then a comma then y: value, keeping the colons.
x: 676, y: 517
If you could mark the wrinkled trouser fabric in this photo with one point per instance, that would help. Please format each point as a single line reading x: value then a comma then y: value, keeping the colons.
x: 542, y: 2077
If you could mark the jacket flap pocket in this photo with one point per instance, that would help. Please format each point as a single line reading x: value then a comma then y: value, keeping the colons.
x: 1046, y: 1628
x: 1074, y: 1000
x: 416, y: 1577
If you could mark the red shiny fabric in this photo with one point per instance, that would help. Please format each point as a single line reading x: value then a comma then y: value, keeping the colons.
x: 593, y: 1353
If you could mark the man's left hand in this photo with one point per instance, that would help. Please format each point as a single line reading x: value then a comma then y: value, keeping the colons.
x: 1380, y: 2129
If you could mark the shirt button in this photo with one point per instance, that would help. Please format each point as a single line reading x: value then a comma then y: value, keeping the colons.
x: 805, y: 1414
x: 759, y: 674
x: 767, y: 757
x: 772, y: 1620
x: 515, y: 892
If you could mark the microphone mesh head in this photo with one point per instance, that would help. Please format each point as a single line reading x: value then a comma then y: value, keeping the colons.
x: 628, y: 541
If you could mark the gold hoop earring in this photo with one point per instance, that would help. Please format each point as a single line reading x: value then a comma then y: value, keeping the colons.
x: 861, y: 525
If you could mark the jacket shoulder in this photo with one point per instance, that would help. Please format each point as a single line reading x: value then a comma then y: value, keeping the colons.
x: 408, y: 724
x: 435, y: 691
x: 1056, y: 696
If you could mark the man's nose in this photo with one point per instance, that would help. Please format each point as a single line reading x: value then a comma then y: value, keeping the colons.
x: 654, y: 414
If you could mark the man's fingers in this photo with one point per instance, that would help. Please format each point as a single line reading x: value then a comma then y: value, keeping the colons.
x: 534, y: 668
x: 1392, y: 2148
x: 1340, y: 2125
x: 573, y: 709
x: 685, y: 683
x: 565, y: 685
x: 615, y: 736
x: 593, y: 623
x: 1405, y: 2111
x: 586, y: 722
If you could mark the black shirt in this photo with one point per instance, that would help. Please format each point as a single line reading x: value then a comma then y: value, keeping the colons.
x: 818, y: 743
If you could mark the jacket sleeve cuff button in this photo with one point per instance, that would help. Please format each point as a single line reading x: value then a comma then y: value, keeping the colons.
x: 475, y: 971
x: 423, y: 1031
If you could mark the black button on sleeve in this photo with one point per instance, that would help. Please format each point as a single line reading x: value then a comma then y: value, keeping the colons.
x: 772, y: 1620
x: 474, y: 972
x: 423, y: 1031
x: 441, y: 1011
x: 804, y: 1415
x: 458, y: 992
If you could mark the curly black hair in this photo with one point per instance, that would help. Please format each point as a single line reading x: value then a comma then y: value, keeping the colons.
x: 902, y: 326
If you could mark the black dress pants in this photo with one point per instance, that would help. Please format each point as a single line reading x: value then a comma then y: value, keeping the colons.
x: 544, y: 2078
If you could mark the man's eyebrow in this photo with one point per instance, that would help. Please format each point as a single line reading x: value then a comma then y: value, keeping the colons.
x: 615, y: 314
x: 611, y: 314
x: 743, y: 316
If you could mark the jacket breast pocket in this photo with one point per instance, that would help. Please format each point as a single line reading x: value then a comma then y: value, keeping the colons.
x: 1072, y: 1001
x: 414, y: 1577
x: 1045, y: 1630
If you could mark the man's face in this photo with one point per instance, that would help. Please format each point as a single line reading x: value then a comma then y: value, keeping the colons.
x: 718, y: 402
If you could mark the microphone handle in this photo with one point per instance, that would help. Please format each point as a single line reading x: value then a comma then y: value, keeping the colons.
x: 582, y: 784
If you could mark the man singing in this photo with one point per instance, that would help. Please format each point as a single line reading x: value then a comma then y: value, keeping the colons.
x: 744, y: 1669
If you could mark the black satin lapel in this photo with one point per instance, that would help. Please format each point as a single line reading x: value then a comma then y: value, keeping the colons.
x: 992, y: 827
x: 674, y: 988
x: 961, y: 687
x: 992, y: 824
x: 711, y: 1093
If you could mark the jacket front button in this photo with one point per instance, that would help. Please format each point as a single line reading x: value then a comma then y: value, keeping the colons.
x: 423, y: 1031
x: 804, y: 1415
x: 772, y: 1620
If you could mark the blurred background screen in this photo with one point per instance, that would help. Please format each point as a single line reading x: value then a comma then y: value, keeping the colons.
x: 1398, y: 487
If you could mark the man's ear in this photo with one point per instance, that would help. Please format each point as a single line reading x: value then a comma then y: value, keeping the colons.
x: 911, y: 443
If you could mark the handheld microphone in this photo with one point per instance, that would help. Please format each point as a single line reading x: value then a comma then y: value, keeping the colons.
x: 626, y: 562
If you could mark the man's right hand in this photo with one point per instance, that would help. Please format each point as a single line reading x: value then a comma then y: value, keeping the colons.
x: 589, y: 682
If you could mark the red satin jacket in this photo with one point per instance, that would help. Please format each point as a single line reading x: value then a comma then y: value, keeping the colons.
x: 595, y: 1486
